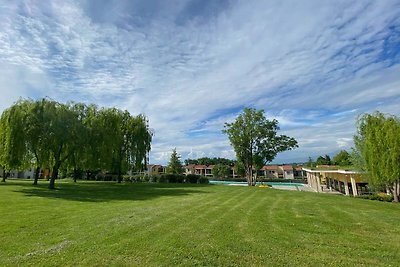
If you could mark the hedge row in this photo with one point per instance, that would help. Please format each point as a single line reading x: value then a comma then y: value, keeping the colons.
x: 379, y: 196
x: 168, y: 178
x: 272, y: 180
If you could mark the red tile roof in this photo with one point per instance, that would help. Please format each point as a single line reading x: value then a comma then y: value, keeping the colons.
x: 287, y: 167
x: 270, y: 168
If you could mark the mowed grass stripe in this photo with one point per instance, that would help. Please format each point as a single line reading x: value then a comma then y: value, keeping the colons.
x: 104, y: 224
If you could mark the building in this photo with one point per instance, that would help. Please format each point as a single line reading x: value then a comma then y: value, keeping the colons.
x: 204, y: 170
x: 271, y: 172
x: 287, y: 171
x: 155, y: 169
x: 298, y: 172
x: 343, y: 181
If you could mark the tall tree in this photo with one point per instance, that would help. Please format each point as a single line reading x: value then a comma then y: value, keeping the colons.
x: 77, y: 150
x: 62, y: 135
x: 49, y: 134
x: 255, y: 140
x: 174, y: 166
x: 36, y: 136
x: 12, y: 138
x: 378, y: 143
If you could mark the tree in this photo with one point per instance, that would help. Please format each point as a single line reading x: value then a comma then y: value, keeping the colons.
x: 35, y: 130
x: 77, y: 149
x: 239, y: 169
x: 62, y: 127
x: 48, y: 134
x: 12, y: 138
x: 342, y: 158
x: 255, y: 140
x: 377, y: 142
x: 220, y: 170
x: 323, y: 160
x: 175, y: 165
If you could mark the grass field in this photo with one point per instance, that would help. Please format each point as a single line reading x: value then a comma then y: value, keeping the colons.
x: 108, y: 224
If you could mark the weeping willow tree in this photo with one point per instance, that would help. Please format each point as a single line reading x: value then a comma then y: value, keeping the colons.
x: 378, y: 145
x: 53, y: 135
x: 12, y: 137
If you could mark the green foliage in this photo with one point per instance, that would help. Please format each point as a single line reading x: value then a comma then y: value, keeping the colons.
x: 73, y: 136
x: 379, y: 197
x: 255, y: 140
x: 192, y: 178
x: 239, y: 169
x: 175, y: 165
x: 172, y: 178
x: 378, y: 144
x: 342, y: 158
x: 221, y: 171
x: 203, y: 180
x: 162, y: 179
x: 323, y: 160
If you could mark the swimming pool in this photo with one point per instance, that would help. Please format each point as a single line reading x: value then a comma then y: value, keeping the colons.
x: 258, y: 183
x: 275, y: 185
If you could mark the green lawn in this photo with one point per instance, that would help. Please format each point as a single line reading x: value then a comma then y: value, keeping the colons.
x: 108, y: 224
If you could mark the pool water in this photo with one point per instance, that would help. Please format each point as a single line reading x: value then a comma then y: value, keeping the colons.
x: 258, y: 183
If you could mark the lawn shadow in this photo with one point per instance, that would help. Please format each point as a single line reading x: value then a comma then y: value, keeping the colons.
x: 107, y: 191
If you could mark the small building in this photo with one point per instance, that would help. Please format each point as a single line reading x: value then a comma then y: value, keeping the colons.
x: 298, y: 172
x: 287, y: 171
x: 271, y: 171
x: 155, y: 169
x: 343, y: 181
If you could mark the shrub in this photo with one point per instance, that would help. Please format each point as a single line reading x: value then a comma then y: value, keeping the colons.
x: 127, y: 179
x: 203, y: 180
x: 151, y: 179
x: 180, y: 178
x: 192, y: 178
x: 379, y: 197
x: 162, y: 179
x: 173, y: 178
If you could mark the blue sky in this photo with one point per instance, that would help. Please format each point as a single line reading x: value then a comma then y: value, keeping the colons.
x: 192, y: 65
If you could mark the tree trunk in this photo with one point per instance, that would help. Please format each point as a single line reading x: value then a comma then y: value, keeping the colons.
x: 398, y: 187
x: 37, y: 171
x: 4, y: 176
x: 253, y: 182
x: 395, y: 192
x: 75, y: 175
x: 119, y: 176
x: 248, y: 176
x: 54, y: 175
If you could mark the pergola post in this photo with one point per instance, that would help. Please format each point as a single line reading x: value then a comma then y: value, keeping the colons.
x: 354, y: 185
x: 346, y: 186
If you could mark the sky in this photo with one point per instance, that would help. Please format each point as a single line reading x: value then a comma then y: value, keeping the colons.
x: 192, y: 65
